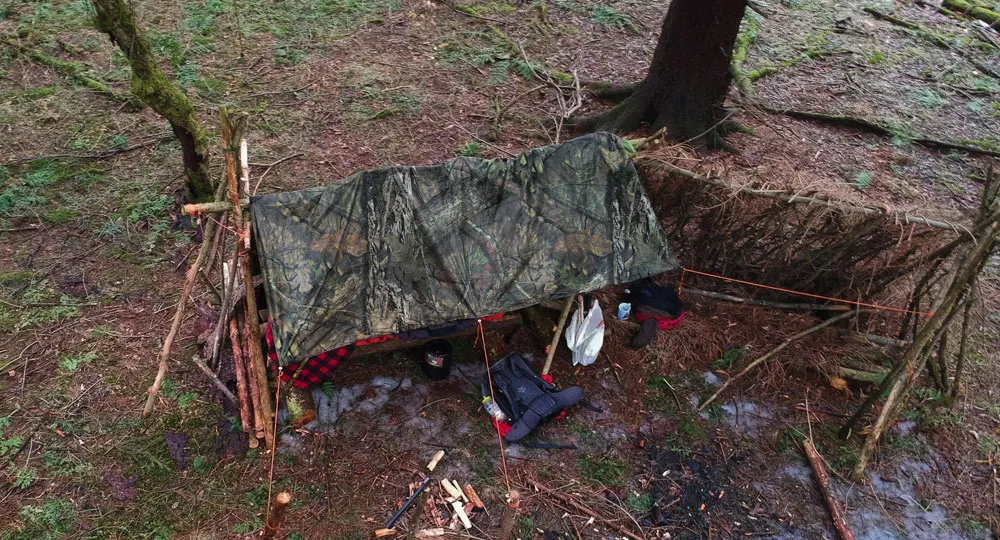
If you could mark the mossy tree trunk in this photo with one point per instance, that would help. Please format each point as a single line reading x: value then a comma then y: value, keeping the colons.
x: 688, y: 78
x: 150, y: 84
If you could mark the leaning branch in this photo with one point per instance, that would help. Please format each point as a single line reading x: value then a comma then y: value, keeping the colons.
x: 775, y: 351
x: 168, y: 342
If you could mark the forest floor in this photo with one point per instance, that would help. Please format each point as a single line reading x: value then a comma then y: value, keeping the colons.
x: 92, y: 259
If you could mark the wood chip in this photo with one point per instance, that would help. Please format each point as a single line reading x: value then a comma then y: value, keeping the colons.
x: 473, y: 497
x: 434, y: 461
x: 460, y: 512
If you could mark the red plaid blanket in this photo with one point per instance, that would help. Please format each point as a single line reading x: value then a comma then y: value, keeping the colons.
x: 315, y: 370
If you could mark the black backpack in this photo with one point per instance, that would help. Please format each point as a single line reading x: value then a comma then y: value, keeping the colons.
x: 526, y: 398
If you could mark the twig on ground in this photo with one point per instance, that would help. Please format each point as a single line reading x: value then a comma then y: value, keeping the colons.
x: 214, y: 379
x: 106, y: 153
x: 473, y: 15
x: 480, y: 139
x: 269, y: 166
x: 585, y: 510
x: 293, y: 91
x: 22, y: 229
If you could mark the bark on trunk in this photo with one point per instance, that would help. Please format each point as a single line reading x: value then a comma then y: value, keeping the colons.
x: 689, y: 75
x: 150, y: 84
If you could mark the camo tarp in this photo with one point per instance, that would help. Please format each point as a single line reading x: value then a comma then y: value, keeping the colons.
x: 402, y: 248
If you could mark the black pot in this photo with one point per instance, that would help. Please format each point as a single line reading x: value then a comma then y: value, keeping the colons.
x: 437, y: 360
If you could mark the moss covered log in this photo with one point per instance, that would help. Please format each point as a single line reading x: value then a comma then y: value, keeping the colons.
x: 984, y: 14
x: 76, y: 71
x: 150, y: 84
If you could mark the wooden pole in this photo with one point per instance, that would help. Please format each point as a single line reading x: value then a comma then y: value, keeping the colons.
x: 239, y: 367
x: 823, y: 479
x: 557, y: 333
x: 277, y: 514
x: 212, y: 207
x: 230, y: 131
x: 509, y: 515
x: 963, y: 349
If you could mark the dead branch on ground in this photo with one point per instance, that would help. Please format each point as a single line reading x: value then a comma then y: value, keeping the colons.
x: 823, y: 480
x: 74, y: 70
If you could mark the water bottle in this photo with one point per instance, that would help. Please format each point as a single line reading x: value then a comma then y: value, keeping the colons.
x: 493, y: 409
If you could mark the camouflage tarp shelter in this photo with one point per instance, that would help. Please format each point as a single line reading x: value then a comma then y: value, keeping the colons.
x: 402, y: 248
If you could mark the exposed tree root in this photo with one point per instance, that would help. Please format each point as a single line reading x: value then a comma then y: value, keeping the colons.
x: 866, y: 125
x: 749, y: 31
x: 626, y: 116
x: 615, y: 93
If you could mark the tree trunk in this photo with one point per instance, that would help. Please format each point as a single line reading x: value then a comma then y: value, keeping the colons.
x: 150, y: 84
x: 688, y: 78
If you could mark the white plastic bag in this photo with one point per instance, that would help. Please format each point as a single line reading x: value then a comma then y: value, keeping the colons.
x: 585, y: 335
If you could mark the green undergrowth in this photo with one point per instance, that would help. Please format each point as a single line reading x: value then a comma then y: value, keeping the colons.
x: 606, y: 471
x: 307, y: 22
x: 372, y: 97
x: 24, y: 189
x: 611, y: 18
x: 814, y: 46
x: 29, y: 301
x: 491, y: 49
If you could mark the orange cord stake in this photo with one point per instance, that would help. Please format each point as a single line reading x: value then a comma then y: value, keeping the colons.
x: 270, y: 474
x: 480, y: 336
x: 810, y: 295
